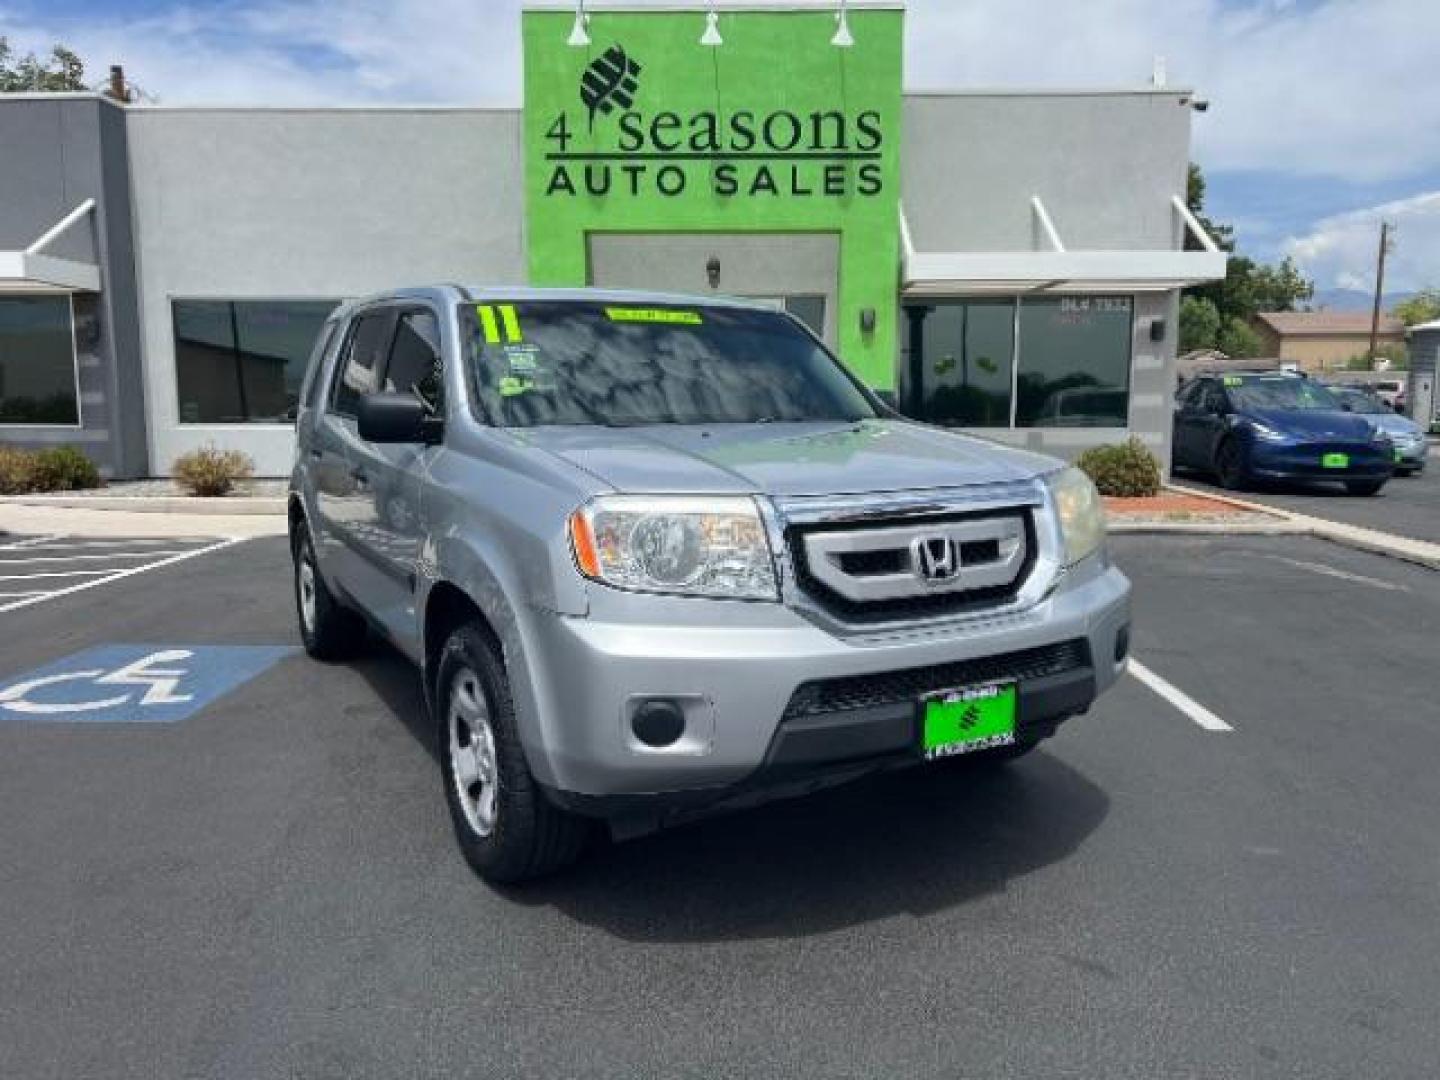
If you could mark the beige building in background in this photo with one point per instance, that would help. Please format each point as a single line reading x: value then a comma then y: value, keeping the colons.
x: 1321, y: 340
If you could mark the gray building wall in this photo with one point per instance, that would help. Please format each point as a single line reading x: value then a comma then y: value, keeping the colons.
x: 1104, y: 163
x: 58, y: 152
x: 311, y: 204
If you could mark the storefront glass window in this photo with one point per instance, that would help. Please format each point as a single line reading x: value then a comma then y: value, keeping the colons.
x: 37, y: 361
x: 242, y: 361
x: 1074, y: 361
x: 960, y: 355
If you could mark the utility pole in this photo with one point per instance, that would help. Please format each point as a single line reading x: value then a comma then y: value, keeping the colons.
x: 1379, y: 288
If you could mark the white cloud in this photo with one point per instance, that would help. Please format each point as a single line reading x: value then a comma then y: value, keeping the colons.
x: 1336, y: 88
x: 1341, y: 250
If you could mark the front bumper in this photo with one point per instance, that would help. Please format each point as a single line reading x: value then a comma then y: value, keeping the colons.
x: 737, y: 669
x: 1411, y: 455
x: 1280, y: 461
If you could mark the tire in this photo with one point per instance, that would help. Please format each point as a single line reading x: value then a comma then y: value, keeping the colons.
x: 507, y: 829
x: 329, y: 630
x: 1230, y: 466
x: 1364, y: 488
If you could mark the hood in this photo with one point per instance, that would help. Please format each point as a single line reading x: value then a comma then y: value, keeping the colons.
x: 1312, y: 423
x: 1393, y: 423
x: 785, y: 459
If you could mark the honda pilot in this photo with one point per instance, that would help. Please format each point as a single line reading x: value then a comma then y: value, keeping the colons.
x: 657, y: 556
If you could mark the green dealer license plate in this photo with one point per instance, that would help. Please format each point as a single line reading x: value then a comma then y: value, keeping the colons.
x: 963, y: 721
x: 1334, y: 461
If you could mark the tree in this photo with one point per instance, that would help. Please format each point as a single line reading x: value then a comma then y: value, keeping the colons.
x: 63, y: 72
x: 1238, y: 338
x: 1423, y: 307
x: 1249, y: 287
x: 1199, y: 323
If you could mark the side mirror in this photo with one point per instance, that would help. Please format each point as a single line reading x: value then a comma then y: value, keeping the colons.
x: 397, y: 418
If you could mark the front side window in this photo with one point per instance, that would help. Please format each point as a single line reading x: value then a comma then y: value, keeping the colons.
x: 1074, y: 367
x: 243, y: 361
x: 560, y: 362
x: 37, y: 361
x: 361, y: 362
x: 415, y: 364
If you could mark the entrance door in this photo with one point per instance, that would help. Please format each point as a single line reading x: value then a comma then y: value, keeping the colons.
x: 798, y: 272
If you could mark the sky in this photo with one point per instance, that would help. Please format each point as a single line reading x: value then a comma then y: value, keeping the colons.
x: 1322, y: 115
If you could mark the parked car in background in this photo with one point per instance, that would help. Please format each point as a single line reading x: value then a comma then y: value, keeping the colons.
x: 657, y: 556
x: 1407, y: 437
x: 1390, y: 391
x: 1246, y: 427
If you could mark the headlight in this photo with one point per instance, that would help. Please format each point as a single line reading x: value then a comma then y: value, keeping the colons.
x: 1081, y: 514
x: 1268, y: 433
x: 685, y: 545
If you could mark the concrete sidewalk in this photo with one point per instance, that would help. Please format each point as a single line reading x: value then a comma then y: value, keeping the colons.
x: 28, y: 519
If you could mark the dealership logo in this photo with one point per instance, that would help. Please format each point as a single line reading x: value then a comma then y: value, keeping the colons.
x: 970, y: 717
x: 610, y: 81
x: 935, y: 558
x: 825, y: 152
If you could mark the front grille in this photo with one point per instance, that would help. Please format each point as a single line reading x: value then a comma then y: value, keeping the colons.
x: 892, y: 687
x: 923, y: 604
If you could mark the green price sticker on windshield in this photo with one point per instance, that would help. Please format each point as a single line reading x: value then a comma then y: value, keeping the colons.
x: 653, y: 315
x: 1233, y: 380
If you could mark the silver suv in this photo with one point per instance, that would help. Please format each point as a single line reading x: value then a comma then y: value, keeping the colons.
x: 657, y: 556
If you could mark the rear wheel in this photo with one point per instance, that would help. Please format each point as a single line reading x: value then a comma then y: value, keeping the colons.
x: 507, y: 829
x: 1230, y: 466
x: 329, y: 630
x: 1364, y: 487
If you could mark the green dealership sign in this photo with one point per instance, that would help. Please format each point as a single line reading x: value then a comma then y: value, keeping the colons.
x: 776, y: 131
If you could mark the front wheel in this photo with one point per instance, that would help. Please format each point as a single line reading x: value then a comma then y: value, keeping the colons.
x: 507, y: 829
x: 1364, y: 487
x: 1230, y: 466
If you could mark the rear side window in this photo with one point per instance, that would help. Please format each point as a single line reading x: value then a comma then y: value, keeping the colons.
x: 359, y: 366
x: 1213, y: 399
x: 415, y: 363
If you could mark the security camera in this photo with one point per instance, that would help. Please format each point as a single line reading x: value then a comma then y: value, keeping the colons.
x: 1200, y: 105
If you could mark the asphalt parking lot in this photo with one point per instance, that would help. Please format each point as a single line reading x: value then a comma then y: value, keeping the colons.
x: 1407, y: 505
x: 260, y: 880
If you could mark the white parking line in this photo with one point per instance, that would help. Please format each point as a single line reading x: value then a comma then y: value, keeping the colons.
x: 116, y: 576
x: 50, y: 573
x: 27, y: 558
x: 1335, y: 572
x: 30, y: 542
x: 1174, y: 695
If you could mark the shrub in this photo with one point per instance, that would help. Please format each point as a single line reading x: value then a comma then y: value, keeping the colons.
x: 211, y: 471
x: 63, y: 468
x: 1128, y: 469
x: 17, y: 471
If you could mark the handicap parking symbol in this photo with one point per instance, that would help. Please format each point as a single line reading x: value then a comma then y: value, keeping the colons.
x: 133, y: 684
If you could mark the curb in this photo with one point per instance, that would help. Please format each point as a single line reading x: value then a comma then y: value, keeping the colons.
x: 1418, y: 552
x: 161, y: 504
x: 1203, y: 528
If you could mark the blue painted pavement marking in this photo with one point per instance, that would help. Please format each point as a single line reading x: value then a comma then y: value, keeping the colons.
x: 133, y: 684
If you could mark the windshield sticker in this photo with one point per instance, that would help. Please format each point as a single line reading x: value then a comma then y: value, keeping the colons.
x: 490, y: 324
x: 514, y: 385
x: 1234, y: 380
x: 522, y: 359
x: 653, y: 315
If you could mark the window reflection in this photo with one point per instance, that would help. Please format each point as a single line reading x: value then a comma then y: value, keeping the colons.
x: 37, y: 361
x: 242, y: 361
x: 1074, y: 361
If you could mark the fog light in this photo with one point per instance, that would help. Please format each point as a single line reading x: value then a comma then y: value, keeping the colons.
x: 658, y: 722
x: 1122, y: 644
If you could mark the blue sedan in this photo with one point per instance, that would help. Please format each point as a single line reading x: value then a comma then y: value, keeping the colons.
x: 1258, y: 426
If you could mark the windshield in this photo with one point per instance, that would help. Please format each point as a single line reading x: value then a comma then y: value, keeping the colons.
x: 1360, y: 402
x: 562, y: 362
x: 1278, y: 392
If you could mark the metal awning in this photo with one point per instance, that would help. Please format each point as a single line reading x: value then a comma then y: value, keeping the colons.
x: 31, y: 270
x: 1058, y: 269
